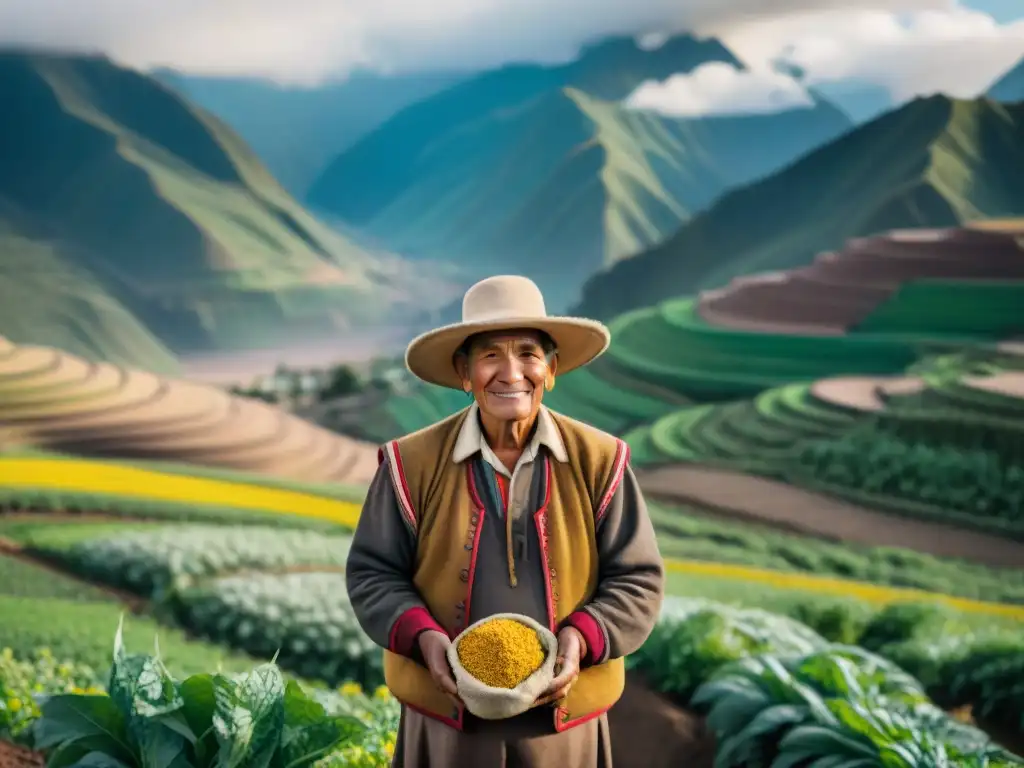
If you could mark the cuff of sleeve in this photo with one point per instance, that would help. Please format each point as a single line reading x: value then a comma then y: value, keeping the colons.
x: 592, y: 633
x: 407, y: 629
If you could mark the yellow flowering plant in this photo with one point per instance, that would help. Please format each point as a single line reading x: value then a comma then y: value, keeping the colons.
x: 378, y: 711
x: 24, y: 680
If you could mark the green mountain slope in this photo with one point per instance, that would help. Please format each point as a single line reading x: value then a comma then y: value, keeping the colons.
x: 1010, y: 87
x: 935, y: 162
x: 170, y: 213
x: 559, y: 179
x: 47, y: 299
x: 297, y: 131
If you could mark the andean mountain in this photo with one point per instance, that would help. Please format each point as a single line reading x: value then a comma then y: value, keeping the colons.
x: 1009, y: 87
x: 539, y: 170
x: 934, y: 162
x: 296, y: 131
x: 133, y: 223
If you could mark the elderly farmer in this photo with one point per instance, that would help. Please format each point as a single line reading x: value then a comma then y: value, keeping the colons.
x: 505, y: 507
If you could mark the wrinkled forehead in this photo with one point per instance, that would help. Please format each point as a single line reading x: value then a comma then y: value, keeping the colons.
x: 502, y: 339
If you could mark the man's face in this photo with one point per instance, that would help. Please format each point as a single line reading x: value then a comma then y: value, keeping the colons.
x: 507, y: 372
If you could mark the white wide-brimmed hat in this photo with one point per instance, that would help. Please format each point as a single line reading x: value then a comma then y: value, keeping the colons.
x: 504, y: 302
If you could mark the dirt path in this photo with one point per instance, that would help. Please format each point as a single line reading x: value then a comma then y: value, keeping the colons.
x: 12, y: 549
x: 650, y: 731
x: 757, y: 499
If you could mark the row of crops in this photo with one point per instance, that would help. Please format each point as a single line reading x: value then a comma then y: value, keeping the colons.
x: 268, y: 592
x: 972, y: 488
x: 962, y: 465
x: 775, y: 691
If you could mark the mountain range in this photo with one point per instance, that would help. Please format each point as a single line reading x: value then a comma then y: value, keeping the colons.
x: 542, y: 170
x: 934, y: 162
x: 1010, y: 87
x: 145, y: 226
x: 297, y: 131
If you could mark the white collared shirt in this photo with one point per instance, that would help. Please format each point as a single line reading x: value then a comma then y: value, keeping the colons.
x: 472, y: 439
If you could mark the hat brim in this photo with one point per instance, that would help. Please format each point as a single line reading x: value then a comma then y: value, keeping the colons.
x: 430, y: 355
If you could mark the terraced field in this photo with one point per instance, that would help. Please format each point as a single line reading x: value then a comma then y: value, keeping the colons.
x: 871, y: 309
x: 248, y: 591
x: 60, y: 402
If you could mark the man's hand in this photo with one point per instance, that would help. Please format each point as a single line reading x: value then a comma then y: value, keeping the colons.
x: 434, y: 648
x: 571, y: 648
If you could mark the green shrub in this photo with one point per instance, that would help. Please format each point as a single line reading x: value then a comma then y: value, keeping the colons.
x: 899, y: 622
x: 148, y: 718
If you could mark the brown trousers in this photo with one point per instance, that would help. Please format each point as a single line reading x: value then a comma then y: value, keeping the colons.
x: 527, y: 741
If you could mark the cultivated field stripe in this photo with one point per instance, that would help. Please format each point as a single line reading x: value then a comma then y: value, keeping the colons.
x: 83, y: 476
x: 859, y: 590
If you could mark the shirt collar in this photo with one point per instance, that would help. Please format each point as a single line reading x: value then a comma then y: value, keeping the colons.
x: 471, y: 437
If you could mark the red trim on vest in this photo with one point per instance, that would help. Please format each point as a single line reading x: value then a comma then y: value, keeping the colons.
x: 618, y: 470
x: 541, y: 524
x: 380, y: 456
x: 401, y: 485
x: 561, y: 725
x: 587, y: 626
x: 478, y: 506
x: 452, y: 722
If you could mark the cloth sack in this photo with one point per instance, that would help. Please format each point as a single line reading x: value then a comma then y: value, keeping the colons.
x: 490, y: 703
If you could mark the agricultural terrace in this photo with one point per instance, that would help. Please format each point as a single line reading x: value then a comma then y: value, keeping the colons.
x: 942, y: 446
x: 870, y: 309
x: 228, y: 595
x: 56, y: 401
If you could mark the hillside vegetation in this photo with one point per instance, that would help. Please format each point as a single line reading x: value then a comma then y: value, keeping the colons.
x: 297, y: 131
x: 935, y: 162
x: 602, y: 182
x: 164, y: 213
x: 870, y: 309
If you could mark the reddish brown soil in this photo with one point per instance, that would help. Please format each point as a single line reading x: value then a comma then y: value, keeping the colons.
x: 760, y: 500
x: 13, y: 756
x: 650, y: 731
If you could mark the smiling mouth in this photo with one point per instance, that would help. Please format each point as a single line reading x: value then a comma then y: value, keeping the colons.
x: 509, y: 395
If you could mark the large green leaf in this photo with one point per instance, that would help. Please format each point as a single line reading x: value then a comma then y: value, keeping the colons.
x: 72, y: 716
x: 200, y: 701
x: 99, y: 760
x: 143, y: 688
x: 248, y: 717
x: 71, y: 752
x: 309, y: 733
x: 818, y: 740
x: 738, y: 749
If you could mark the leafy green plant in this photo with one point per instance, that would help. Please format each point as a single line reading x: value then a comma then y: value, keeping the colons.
x: 844, y: 707
x: 150, y: 720
x: 694, y: 638
x: 835, y: 621
x: 304, y: 616
x: 899, y: 622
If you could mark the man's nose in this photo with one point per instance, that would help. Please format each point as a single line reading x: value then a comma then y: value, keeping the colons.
x: 511, y: 369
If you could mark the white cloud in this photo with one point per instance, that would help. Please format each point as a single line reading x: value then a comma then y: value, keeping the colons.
x: 957, y: 51
x: 308, y: 40
x: 720, y: 89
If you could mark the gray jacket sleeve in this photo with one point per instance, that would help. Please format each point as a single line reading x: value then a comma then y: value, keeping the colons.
x: 631, y: 580
x: 379, y: 571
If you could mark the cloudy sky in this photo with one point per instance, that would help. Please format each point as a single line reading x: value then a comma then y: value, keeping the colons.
x: 908, y: 47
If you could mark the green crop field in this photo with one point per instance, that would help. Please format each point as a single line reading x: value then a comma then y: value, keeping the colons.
x: 224, y: 596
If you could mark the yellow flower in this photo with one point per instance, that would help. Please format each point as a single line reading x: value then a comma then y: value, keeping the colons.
x: 351, y: 689
x: 14, y: 705
x: 389, y: 748
x: 382, y: 693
